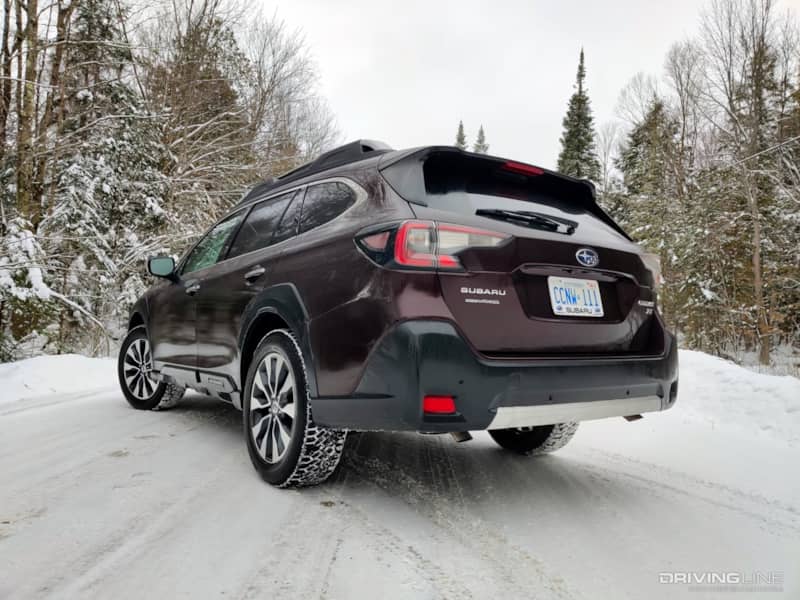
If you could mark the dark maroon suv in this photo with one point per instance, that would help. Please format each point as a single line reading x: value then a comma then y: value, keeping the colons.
x: 429, y: 289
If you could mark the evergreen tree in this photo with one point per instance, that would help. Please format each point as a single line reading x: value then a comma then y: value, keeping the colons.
x: 461, y: 139
x: 650, y: 209
x: 480, y: 146
x: 107, y: 184
x: 577, y: 157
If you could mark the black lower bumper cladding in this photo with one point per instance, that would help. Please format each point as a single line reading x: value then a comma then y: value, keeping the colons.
x: 426, y: 357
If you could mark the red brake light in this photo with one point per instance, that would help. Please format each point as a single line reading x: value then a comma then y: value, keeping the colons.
x: 522, y: 168
x: 415, y: 245
x: 449, y: 262
x: 426, y: 245
x: 438, y: 405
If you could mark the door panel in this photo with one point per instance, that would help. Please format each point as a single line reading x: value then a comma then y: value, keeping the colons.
x: 228, y: 286
x: 171, y: 324
x: 172, y: 306
x: 222, y: 300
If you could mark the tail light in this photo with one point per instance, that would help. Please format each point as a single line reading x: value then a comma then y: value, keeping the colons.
x: 425, y: 245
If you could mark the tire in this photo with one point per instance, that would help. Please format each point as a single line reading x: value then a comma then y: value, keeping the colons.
x: 285, y: 446
x: 133, y: 365
x: 541, y: 439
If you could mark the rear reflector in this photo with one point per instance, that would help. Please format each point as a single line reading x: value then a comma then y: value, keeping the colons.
x: 522, y: 168
x: 438, y: 405
x: 376, y: 241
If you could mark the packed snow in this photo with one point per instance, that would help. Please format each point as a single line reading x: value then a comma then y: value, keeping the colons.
x: 98, y: 500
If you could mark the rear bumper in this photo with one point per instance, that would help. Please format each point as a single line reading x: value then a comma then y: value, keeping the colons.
x: 427, y: 357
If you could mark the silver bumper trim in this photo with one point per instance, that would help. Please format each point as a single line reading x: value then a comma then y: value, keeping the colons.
x: 548, y: 414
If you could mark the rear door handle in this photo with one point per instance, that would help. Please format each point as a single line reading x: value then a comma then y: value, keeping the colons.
x: 192, y: 289
x: 254, y: 274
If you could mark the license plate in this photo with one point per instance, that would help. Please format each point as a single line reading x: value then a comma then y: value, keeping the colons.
x: 575, y: 297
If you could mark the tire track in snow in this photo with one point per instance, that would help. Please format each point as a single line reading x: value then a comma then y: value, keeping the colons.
x: 313, y: 536
x: 776, y: 516
x: 41, y: 402
x: 72, y: 449
x: 136, y: 535
x: 434, y: 491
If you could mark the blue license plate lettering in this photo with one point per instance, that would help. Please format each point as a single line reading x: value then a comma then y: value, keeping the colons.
x: 575, y: 297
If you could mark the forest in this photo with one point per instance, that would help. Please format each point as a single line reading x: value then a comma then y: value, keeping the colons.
x: 703, y: 167
x: 125, y: 129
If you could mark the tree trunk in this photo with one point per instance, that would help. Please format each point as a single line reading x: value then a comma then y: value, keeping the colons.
x: 26, y: 203
x: 758, y: 284
x: 49, y: 116
x: 5, y: 73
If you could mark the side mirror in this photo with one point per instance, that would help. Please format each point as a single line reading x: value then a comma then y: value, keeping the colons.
x: 162, y: 266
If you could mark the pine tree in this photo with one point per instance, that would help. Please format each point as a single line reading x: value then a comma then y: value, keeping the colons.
x: 650, y: 210
x: 577, y: 157
x: 461, y: 139
x: 107, y: 185
x: 480, y: 146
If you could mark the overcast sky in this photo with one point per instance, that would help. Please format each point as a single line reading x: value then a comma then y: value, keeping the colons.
x: 405, y: 72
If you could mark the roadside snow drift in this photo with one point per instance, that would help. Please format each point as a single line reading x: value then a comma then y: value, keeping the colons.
x: 62, y: 374
x: 98, y: 500
x: 725, y: 394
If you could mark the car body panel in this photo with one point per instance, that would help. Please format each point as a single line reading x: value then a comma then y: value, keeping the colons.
x: 171, y: 323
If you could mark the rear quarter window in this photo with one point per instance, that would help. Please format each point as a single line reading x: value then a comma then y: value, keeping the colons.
x: 324, y: 202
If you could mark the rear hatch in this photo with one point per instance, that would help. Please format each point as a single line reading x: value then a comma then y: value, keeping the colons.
x: 566, y: 280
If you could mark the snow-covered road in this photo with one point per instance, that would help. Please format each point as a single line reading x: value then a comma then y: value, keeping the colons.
x: 101, y: 501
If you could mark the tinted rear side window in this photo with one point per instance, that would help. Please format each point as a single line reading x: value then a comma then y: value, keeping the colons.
x: 259, y: 227
x: 291, y: 219
x: 324, y: 202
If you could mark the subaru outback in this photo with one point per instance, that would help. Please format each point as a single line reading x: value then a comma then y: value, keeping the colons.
x: 430, y: 290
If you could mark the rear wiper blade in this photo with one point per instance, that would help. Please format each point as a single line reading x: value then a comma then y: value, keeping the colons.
x: 531, y: 219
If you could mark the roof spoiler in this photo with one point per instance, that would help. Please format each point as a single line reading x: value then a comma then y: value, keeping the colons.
x: 404, y: 172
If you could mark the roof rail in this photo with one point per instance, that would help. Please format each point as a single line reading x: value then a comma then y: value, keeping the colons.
x: 338, y: 156
x: 352, y: 152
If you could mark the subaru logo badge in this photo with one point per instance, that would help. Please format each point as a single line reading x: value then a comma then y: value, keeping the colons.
x: 587, y: 257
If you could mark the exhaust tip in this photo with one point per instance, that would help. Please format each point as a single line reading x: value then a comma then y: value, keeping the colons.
x: 461, y: 436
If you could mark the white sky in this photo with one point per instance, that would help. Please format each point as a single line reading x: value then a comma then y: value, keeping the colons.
x: 405, y: 72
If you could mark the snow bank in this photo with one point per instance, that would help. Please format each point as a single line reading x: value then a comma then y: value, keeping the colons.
x: 62, y: 374
x: 723, y: 393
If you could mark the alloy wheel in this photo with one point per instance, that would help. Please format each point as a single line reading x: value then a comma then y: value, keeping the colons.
x: 273, y: 407
x: 138, y: 366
